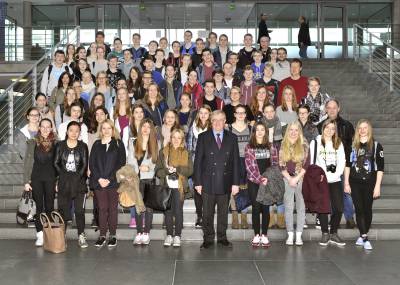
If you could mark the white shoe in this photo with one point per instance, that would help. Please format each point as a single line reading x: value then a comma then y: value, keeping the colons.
x: 256, y: 240
x: 299, y: 241
x: 39, y: 239
x: 265, y: 241
x: 138, y: 239
x: 177, y: 241
x: 360, y: 241
x: 168, y: 241
x: 289, y: 240
x: 367, y: 245
x: 145, y: 238
x: 82, y: 241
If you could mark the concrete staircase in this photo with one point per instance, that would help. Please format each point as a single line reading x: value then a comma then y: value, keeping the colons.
x: 361, y: 95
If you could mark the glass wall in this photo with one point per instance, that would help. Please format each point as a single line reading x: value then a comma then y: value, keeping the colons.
x: 330, y: 23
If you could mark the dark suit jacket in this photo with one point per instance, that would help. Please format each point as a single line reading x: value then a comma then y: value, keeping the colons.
x: 216, y: 169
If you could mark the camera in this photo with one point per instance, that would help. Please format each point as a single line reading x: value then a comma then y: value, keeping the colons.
x: 173, y: 176
x: 331, y: 168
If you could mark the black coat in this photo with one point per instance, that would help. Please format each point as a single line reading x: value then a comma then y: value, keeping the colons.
x: 216, y: 169
x: 105, y: 163
x: 304, y: 35
x: 80, y: 157
x: 262, y: 30
x: 218, y: 57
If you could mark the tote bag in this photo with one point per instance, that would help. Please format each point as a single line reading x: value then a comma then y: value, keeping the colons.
x: 53, y: 232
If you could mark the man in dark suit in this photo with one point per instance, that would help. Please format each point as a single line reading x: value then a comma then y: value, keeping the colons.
x: 216, y: 175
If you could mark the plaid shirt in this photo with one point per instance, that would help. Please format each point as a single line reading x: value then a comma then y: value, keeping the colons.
x: 253, y: 173
x: 317, y: 106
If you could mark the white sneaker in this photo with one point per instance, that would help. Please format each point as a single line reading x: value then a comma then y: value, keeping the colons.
x: 145, y: 238
x: 360, y: 241
x: 138, y: 240
x: 82, y: 241
x: 168, y: 241
x: 367, y: 245
x: 39, y: 239
x: 177, y: 241
x: 265, y: 241
x: 299, y: 241
x: 289, y: 240
x: 256, y: 240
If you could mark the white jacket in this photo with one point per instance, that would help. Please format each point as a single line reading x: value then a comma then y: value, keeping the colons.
x: 328, y: 155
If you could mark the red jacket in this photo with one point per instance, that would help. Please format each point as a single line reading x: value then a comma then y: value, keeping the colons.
x: 316, y: 193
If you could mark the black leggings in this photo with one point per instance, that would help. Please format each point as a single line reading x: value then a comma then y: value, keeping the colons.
x: 43, y: 193
x: 336, y: 196
x: 362, y: 194
x: 64, y: 207
x: 257, y: 209
x: 198, y: 202
x: 176, y: 211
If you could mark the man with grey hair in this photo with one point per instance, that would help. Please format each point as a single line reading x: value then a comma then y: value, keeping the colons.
x: 216, y: 176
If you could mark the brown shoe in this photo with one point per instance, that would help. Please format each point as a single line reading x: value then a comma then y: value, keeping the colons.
x: 243, y: 221
x: 272, y: 220
x: 281, y: 221
x: 235, y: 220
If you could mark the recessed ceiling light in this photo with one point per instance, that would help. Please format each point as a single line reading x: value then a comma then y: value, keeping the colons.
x: 20, y: 80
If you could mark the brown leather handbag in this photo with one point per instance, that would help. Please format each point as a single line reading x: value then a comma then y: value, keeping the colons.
x: 53, y: 233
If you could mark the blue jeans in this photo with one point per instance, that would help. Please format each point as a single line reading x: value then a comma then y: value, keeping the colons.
x: 303, y: 51
x: 133, y: 212
x: 348, y: 208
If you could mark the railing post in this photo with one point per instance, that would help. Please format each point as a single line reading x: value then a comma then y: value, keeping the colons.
x: 78, y: 36
x: 34, y: 83
x: 391, y: 70
x: 370, y: 52
x: 11, y: 116
x: 354, y: 42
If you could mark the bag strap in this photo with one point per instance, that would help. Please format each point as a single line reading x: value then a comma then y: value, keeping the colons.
x: 45, y: 219
x: 55, y: 214
x: 315, y: 151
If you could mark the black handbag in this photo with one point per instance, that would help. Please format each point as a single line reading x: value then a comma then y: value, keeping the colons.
x: 157, y: 197
x: 242, y: 200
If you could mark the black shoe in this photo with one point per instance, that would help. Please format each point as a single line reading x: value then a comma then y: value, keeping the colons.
x: 225, y: 243
x: 206, y: 245
x: 101, y: 241
x: 112, y: 242
x: 94, y: 224
x: 199, y: 223
x: 350, y: 224
x: 324, y: 239
x: 335, y: 239
x: 317, y: 224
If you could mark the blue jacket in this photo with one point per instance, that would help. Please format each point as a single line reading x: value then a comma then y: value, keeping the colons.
x: 176, y: 85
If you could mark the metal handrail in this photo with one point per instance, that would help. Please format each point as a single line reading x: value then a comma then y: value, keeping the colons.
x: 378, y: 61
x: 33, y: 72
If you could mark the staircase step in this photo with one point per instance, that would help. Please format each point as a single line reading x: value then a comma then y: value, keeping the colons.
x: 377, y: 232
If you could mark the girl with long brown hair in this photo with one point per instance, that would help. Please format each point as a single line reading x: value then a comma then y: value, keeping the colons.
x: 257, y: 103
x: 39, y: 173
x: 201, y: 124
x: 155, y: 105
x: 287, y: 112
x: 330, y: 156
x: 142, y: 155
x: 121, y: 114
x: 363, y: 177
x: 63, y: 111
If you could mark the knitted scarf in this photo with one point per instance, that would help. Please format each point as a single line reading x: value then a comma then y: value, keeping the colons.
x: 276, y: 124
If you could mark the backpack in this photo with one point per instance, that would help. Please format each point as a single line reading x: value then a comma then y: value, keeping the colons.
x: 51, y: 68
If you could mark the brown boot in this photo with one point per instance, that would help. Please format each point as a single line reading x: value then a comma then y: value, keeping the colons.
x: 272, y: 220
x: 281, y: 221
x: 243, y: 221
x: 235, y: 220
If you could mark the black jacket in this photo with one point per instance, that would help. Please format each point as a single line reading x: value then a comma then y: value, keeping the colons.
x: 105, y: 163
x: 262, y: 30
x: 345, y: 132
x: 80, y: 154
x: 216, y: 169
x: 304, y: 35
x: 218, y: 57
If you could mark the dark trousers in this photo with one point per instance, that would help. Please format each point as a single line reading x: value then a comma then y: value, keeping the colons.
x: 362, y: 194
x: 95, y: 209
x: 198, y: 202
x: 107, y: 201
x: 148, y: 214
x: 175, y: 211
x: 336, y: 196
x: 209, y: 202
x: 64, y: 207
x: 323, y: 219
x: 257, y: 210
x: 43, y: 193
